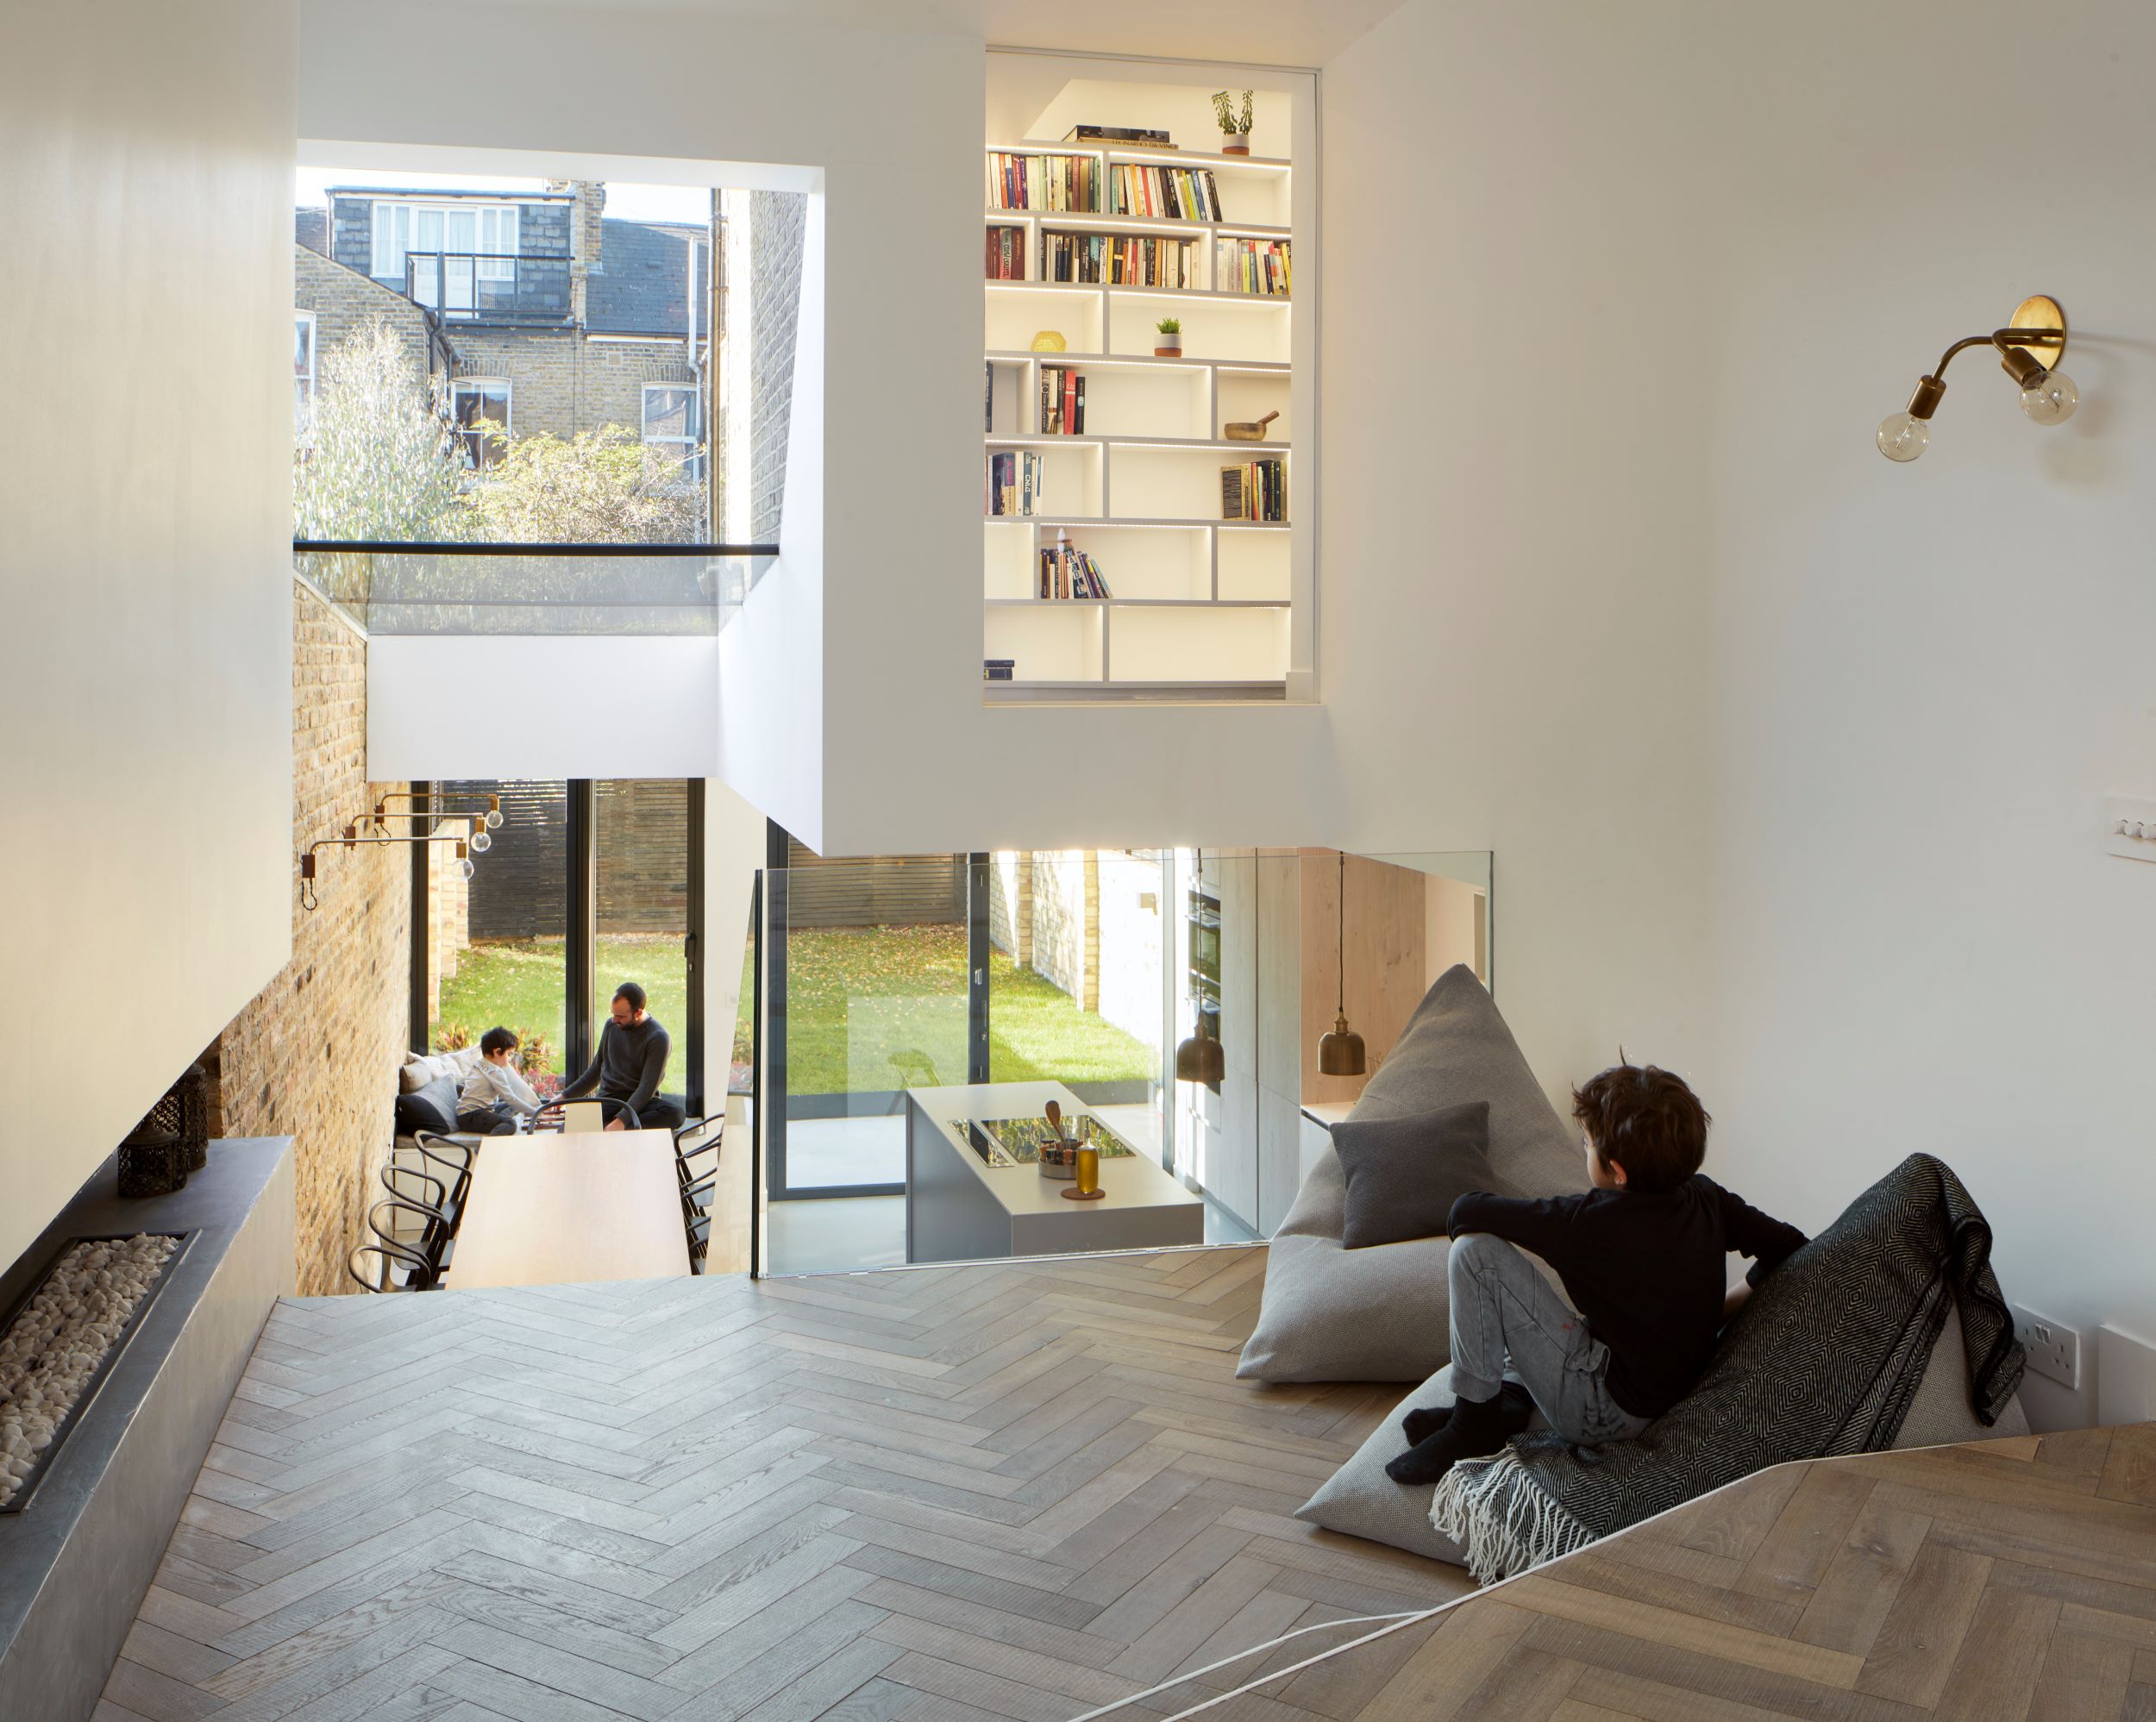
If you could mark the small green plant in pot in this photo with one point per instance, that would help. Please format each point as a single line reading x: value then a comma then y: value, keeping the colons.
x: 1167, y: 341
x: 1235, y: 129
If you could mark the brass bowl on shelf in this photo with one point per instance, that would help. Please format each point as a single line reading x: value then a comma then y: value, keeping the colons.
x: 1247, y: 429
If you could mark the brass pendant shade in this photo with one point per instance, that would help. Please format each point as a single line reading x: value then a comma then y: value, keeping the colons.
x: 1340, y: 1052
x: 1199, y: 1057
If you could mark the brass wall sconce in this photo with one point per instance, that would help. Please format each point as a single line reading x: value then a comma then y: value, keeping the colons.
x: 484, y: 821
x: 310, y: 898
x: 2030, y: 350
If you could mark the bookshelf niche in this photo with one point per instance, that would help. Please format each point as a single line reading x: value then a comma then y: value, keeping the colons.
x: 1119, y: 560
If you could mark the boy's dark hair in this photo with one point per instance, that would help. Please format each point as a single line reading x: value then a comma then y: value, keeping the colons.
x: 632, y: 993
x: 496, y: 1040
x: 1646, y: 1120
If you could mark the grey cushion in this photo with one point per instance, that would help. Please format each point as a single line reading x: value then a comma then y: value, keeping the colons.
x: 1360, y: 1500
x: 1382, y: 1314
x: 1404, y: 1175
x: 433, y: 1107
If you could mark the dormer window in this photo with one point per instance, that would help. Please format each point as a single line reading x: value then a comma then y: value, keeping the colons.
x: 457, y: 243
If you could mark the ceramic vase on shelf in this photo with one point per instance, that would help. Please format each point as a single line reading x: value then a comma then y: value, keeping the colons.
x: 1168, y: 346
x: 1235, y: 143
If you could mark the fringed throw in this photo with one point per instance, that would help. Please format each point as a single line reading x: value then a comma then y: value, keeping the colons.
x: 1824, y: 1359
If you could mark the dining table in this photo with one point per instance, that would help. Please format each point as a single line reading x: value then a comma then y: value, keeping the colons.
x: 558, y: 1207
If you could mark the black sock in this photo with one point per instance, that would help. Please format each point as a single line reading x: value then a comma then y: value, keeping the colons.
x: 1518, y: 1407
x: 1475, y: 1429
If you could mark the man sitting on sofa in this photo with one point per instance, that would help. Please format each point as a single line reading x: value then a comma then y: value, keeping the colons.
x: 629, y: 1066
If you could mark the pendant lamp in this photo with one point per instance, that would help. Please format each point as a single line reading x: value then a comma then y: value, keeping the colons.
x: 1340, y: 1052
x: 1199, y: 1057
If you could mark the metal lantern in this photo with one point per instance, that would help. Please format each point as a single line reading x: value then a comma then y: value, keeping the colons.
x: 172, y: 1140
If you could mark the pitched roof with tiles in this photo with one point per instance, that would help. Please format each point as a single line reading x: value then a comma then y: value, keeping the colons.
x: 642, y: 287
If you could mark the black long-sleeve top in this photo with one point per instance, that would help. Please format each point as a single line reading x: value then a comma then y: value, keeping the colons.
x: 1646, y: 1269
x: 629, y: 1064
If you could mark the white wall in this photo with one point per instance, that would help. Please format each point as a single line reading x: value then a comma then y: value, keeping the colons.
x: 1791, y: 758
x: 541, y: 706
x: 146, y: 655
x: 850, y: 703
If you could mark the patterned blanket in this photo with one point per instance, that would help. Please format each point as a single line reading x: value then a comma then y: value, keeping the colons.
x: 1824, y: 1359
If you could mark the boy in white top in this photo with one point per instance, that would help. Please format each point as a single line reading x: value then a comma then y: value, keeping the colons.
x: 495, y: 1092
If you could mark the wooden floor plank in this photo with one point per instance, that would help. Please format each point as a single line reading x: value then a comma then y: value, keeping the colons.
x: 1011, y: 1491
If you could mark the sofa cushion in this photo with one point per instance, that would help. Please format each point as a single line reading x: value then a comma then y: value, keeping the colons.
x: 421, y: 1068
x: 433, y: 1107
x: 1360, y: 1500
x: 1404, y: 1175
x: 1382, y: 1314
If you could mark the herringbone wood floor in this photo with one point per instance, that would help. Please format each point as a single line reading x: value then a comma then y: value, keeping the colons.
x: 979, y: 1492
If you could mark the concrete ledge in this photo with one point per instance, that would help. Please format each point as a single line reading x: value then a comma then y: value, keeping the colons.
x: 74, y: 1566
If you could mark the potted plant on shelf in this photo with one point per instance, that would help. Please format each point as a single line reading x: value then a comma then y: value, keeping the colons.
x: 1235, y: 130
x: 1168, y: 342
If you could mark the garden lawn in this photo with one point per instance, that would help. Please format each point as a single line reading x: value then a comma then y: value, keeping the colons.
x: 518, y: 984
x: 869, y: 1009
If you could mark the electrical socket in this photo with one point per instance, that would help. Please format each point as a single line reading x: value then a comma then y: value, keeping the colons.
x: 2054, y: 1348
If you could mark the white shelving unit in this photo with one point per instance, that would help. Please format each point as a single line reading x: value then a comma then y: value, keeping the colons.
x: 1201, y: 607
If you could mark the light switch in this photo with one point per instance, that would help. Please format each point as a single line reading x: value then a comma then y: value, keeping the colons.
x: 2129, y: 828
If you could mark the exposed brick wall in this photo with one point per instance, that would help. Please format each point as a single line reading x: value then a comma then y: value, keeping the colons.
x: 342, y: 301
x: 314, y: 1055
x: 561, y: 382
x: 1010, y: 904
x: 778, y: 224
x: 1067, y: 922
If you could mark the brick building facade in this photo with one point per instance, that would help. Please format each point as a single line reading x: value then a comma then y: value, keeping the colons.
x: 543, y: 314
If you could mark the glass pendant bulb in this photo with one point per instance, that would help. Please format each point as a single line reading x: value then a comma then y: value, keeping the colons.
x: 466, y: 868
x: 2051, y: 400
x: 481, y: 843
x: 1904, y: 436
x: 493, y: 818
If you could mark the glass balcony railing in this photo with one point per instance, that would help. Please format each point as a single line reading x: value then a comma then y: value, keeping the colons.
x: 610, y: 589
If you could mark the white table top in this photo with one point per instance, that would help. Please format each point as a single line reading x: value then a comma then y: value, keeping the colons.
x: 1326, y: 1113
x: 1133, y: 1182
x: 559, y: 1208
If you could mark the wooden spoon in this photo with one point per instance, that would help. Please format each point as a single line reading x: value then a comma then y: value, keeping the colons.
x: 1055, y: 1114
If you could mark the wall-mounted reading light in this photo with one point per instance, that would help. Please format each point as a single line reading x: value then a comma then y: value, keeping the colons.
x: 310, y: 899
x: 2030, y: 350
x: 484, y: 821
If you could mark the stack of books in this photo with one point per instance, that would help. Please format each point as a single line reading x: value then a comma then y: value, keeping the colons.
x: 1135, y: 137
x: 1015, y: 482
x: 1120, y: 260
x: 1251, y: 266
x: 1044, y: 182
x: 1176, y: 194
x: 997, y: 669
x: 1062, y: 401
x: 1068, y: 572
x: 1257, y: 490
x: 1006, y: 253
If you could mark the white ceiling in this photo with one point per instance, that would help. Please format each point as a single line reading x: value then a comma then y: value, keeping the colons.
x: 1298, y: 33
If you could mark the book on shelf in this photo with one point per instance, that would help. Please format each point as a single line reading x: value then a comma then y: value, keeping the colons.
x: 1065, y: 572
x: 998, y: 669
x: 1062, y: 401
x: 1018, y: 181
x: 1015, y: 482
x: 1242, y: 265
x: 1176, y: 194
x: 1136, y: 137
x: 1256, y: 490
x: 1006, y: 253
x: 1119, y: 260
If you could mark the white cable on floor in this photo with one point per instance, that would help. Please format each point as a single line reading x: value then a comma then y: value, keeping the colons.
x: 1397, y: 1620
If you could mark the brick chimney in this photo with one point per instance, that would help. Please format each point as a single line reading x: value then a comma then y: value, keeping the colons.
x: 586, y: 258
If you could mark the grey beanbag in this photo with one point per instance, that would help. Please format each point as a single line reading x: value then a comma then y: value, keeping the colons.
x: 1382, y: 1313
x: 1360, y: 1500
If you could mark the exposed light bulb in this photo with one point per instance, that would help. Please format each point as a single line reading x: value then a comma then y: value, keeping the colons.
x: 466, y: 868
x: 1904, y: 436
x: 2052, y: 400
x: 481, y: 843
x: 493, y: 818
